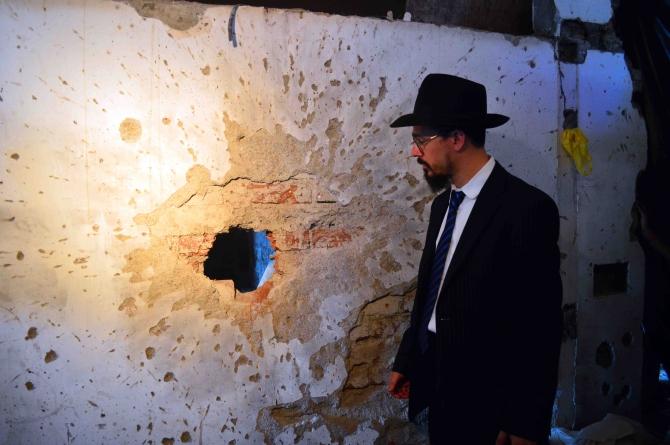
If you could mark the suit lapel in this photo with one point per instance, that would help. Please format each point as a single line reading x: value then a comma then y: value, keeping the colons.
x: 436, y: 216
x: 441, y: 205
x: 482, y: 213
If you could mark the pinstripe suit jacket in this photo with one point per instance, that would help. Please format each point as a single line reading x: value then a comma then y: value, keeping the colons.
x: 499, y: 318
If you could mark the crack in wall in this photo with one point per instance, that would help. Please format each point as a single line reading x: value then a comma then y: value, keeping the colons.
x: 372, y: 333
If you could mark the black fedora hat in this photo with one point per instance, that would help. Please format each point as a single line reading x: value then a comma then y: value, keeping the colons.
x: 446, y: 101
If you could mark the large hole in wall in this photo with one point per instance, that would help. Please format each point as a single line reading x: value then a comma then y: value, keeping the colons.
x: 605, y: 388
x: 610, y: 279
x: 241, y: 255
x: 604, y: 355
x: 622, y: 395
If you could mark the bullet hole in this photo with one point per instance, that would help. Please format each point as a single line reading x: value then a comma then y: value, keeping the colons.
x: 605, y: 388
x: 241, y: 255
x: 167, y: 441
x: 30, y: 386
x: 32, y: 333
x: 185, y: 437
x: 627, y: 339
x: 50, y: 356
x: 130, y: 130
x: 150, y: 352
x: 622, y: 395
x: 604, y: 355
x: 241, y: 361
x: 610, y: 279
x: 168, y: 377
x: 20, y: 256
x: 317, y: 372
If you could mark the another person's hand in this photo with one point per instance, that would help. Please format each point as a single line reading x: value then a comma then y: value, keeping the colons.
x: 509, y: 439
x: 398, y: 385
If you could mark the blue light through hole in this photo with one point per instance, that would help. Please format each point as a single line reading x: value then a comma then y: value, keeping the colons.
x: 264, y: 265
x: 241, y: 255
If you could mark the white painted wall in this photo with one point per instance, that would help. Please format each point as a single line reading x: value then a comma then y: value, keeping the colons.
x: 72, y: 71
x: 594, y: 11
x: 618, y: 147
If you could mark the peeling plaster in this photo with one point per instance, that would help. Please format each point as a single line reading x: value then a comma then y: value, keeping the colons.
x: 168, y: 135
x: 178, y: 15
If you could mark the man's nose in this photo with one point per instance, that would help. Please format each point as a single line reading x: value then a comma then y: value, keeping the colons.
x: 415, y: 151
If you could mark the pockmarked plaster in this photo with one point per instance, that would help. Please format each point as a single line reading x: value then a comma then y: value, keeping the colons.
x: 618, y: 144
x: 134, y: 134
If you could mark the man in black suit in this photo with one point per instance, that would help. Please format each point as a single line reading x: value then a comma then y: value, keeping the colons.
x: 481, y: 351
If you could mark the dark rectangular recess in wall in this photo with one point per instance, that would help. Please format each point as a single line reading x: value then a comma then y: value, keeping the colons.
x: 508, y: 16
x: 610, y: 279
x: 369, y: 8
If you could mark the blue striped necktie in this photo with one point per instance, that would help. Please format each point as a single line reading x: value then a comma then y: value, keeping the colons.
x: 439, y: 262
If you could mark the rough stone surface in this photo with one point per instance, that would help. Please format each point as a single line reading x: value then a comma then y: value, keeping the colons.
x: 577, y: 37
x: 545, y: 18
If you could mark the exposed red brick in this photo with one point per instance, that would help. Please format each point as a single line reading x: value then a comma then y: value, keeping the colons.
x: 291, y: 240
x: 195, y: 243
x: 297, y: 240
x: 193, y: 249
x: 261, y: 294
x: 293, y: 192
x: 330, y: 237
x: 257, y: 296
x: 315, y: 238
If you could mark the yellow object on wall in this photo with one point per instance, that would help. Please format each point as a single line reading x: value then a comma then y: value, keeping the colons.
x: 576, y: 144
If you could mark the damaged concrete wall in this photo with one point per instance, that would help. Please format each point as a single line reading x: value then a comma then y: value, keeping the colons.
x: 132, y: 135
x: 603, y: 325
x: 609, y: 335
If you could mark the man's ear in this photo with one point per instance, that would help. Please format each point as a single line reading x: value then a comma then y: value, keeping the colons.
x: 460, y: 141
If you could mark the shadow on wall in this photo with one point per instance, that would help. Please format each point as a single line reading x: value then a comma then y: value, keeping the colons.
x: 241, y: 255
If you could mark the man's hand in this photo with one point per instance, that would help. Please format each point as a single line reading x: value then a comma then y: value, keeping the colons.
x: 508, y: 439
x: 398, y: 385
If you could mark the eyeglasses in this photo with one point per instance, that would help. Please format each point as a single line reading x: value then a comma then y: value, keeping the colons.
x: 422, y: 141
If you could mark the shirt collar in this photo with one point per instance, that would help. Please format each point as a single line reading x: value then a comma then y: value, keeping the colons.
x: 476, y: 183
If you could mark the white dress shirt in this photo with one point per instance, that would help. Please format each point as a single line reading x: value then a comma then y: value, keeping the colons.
x: 471, y: 191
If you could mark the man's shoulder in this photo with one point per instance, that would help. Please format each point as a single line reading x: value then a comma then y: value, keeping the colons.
x: 527, y: 194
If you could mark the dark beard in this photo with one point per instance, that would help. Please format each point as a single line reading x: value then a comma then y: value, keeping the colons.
x: 436, y: 182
